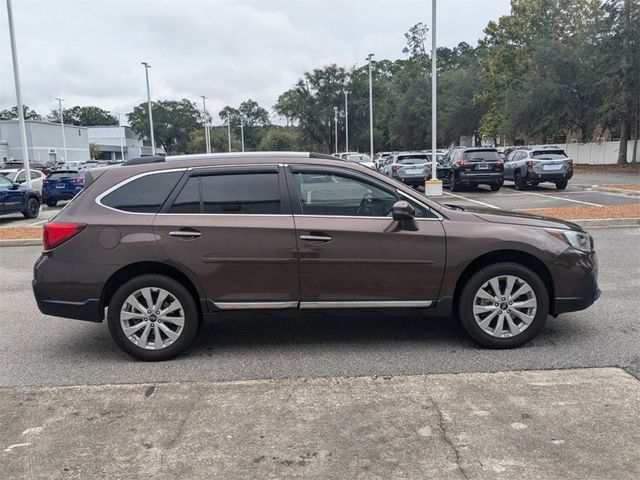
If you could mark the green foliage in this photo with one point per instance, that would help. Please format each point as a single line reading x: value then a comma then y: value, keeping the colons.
x: 173, y: 122
x: 83, y: 116
x: 281, y: 139
x: 12, y: 114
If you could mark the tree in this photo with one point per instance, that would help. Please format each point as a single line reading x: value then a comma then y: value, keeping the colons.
x: 281, y: 139
x: 84, y: 116
x: 94, y: 151
x: 12, y: 114
x: 173, y: 122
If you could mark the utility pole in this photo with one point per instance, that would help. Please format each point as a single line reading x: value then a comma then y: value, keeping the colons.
x: 346, y: 123
x: 207, y: 137
x: 335, y: 124
x: 369, y: 57
x: 434, y: 93
x: 64, y: 138
x: 16, y: 77
x: 121, y: 136
x: 242, y: 131
x: 153, y: 140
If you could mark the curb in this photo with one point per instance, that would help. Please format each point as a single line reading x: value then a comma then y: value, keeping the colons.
x: 21, y: 243
x: 633, y: 193
x: 607, y: 222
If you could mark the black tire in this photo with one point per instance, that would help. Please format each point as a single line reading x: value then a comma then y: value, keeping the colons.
x: 191, y: 317
x: 52, y: 203
x: 518, y: 182
x: 452, y: 183
x: 473, y: 285
x: 32, y: 209
x: 561, y: 184
x: 495, y: 187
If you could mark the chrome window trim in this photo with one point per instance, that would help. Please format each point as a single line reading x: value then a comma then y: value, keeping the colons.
x: 369, y: 304
x: 99, y: 198
x: 390, y: 219
x: 255, y: 305
x: 227, y: 214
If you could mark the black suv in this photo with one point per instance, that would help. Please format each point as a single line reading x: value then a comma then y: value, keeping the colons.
x: 470, y: 167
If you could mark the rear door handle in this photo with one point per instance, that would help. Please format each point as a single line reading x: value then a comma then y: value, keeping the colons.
x: 316, y: 237
x: 185, y: 233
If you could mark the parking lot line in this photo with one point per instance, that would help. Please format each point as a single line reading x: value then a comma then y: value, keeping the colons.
x: 39, y: 223
x: 471, y: 200
x: 563, y: 198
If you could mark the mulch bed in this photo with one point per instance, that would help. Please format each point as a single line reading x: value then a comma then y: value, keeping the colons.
x: 21, y: 233
x: 612, y: 168
x: 585, y: 213
x: 623, y: 186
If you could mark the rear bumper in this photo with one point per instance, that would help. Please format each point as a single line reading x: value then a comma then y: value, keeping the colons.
x: 548, y: 176
x: 413, y: 179
x: 481, y: 178
x: 58, y: 195
x: 88, y: 310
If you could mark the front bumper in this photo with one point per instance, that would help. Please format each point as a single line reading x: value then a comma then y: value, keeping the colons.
x: 577, y: 283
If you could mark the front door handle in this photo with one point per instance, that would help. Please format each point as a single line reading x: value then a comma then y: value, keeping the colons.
x: 316, y: 237
x: 185, y: 233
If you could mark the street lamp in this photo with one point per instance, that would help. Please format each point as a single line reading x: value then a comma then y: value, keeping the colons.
x: 346, y: 123
x: 153, y: 140
x: 207, y: 137
x: 242, y: 131
x: 369, y: 57
x: 121, y: 135
x: 433, y: 186
x: 335, y: 123
x: 64, y: 139
x: 16, y: 77
x: 229, y: 129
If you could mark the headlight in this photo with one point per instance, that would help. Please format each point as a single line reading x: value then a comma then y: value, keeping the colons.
x: 579, y: 240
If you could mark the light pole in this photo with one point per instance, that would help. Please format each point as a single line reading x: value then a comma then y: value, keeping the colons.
x: 207, y: 137
x: 16, y: 77
x: 64, y: 138
x: 346, y: 123
x: 369, y: 57
x: 153, y: 140
x: 335, y: 124
x: 121, y: 136
x: 242, y: 131
x: 433, y: 186
x: 229, y: 129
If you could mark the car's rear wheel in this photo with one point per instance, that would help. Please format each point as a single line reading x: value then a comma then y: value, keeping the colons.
x: 153, y: 318
x: 503, y: 305
x: 518, y: 182
x: 561, y: 184
x: 495, y: 186
x: 52, y: 203
x: 32, y: 208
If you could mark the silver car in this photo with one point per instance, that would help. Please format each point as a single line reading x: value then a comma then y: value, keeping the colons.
x: 531, y: 166
x: 410, y: 168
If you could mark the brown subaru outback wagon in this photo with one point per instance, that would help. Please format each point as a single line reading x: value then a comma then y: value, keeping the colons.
x: 160, y: 246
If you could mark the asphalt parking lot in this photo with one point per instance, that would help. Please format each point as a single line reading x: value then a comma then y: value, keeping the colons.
x: 40, y: 350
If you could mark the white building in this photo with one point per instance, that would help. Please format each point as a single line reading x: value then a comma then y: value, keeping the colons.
x: 44, y: 142
x: 111, y: 140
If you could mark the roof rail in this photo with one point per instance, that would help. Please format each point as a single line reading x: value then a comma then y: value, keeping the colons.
x: 144, y: 160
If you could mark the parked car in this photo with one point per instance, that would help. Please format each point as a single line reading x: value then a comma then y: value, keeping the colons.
x: 17, y: 198
x: 531, y: 166
x: 360, y: 158
x: 61, y: 185
x: 472, y: 166
x: 380, y: 157
x: 161, y: 247
x: 18, y: 175
x: 44, y: 167
x: 412, y: 168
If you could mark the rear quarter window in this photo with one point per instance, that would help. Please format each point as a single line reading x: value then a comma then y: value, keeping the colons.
x: 143, y: 195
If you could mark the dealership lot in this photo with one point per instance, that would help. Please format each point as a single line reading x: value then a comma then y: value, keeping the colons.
x: 41, y: 350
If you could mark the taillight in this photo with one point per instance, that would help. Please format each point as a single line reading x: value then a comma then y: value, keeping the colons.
x: 500, y: 161
x: 55, y: 234
x: 570, y: 160
x: 394, y: 168
x: 463, y: 163
x: 78, y: 180
x: 530, y: 163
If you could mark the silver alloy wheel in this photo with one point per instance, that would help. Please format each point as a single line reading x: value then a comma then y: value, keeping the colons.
x: 152, y: 318
x: 505, y: 306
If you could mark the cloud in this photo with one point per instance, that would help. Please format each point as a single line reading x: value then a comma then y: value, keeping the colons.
x: 89, y: 52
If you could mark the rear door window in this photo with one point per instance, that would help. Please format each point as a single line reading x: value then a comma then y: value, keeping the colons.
x: 253, y: 193
x: 143, y: 195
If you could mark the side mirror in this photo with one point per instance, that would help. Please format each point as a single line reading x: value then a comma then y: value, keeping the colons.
x: 403, y: 213
x: 14, y: 186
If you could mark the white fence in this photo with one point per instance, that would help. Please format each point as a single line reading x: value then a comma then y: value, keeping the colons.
x: 594, y: 153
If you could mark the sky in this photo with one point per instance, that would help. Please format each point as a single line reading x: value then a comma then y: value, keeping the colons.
x: 89, y: 52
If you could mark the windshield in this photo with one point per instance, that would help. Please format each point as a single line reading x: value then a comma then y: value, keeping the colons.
x: 549, y: 154
x: 10, y: 175
x: 482, y: 155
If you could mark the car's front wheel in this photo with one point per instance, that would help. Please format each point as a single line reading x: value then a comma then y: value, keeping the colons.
x: 503, y: 305
x: 153, y: 317
x: 32, y: 208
